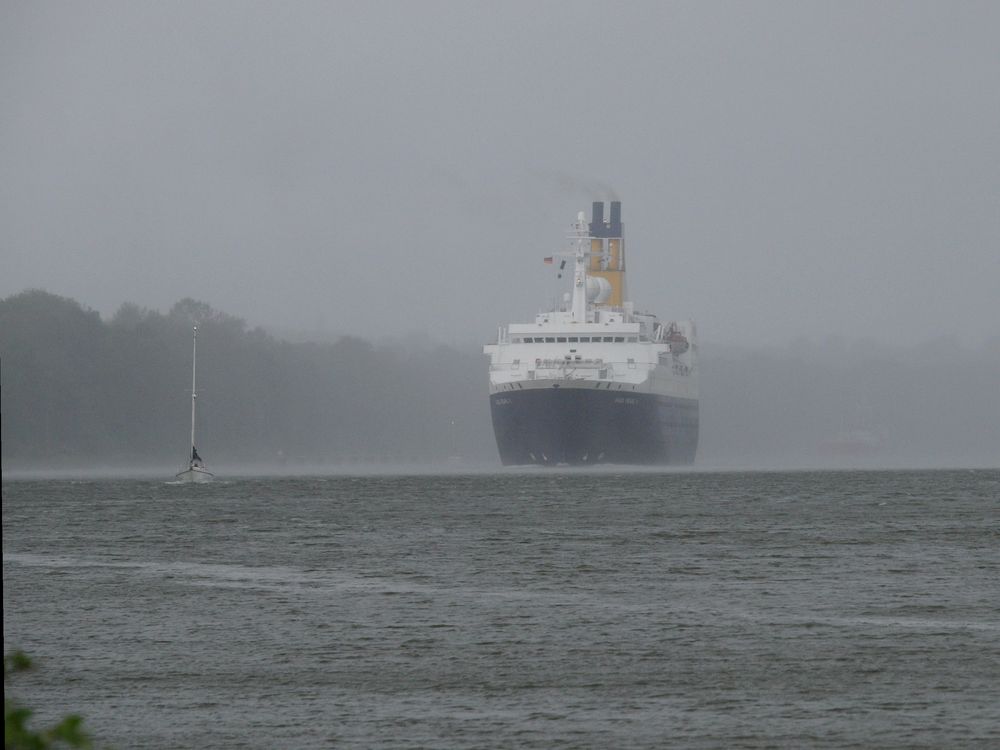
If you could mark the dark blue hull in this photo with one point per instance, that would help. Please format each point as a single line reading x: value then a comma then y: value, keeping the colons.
x: 587, y: 426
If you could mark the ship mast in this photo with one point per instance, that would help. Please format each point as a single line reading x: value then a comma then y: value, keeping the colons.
x: 194, y: 392
x: 581, y: 234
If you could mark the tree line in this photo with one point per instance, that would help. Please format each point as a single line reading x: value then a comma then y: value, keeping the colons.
x: 79, y: 390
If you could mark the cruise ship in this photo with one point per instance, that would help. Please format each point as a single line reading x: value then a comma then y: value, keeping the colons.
x: 595, y: 380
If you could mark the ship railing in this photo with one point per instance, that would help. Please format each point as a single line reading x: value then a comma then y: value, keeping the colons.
x: 606, y: 369
x: 551, y: 364
x: 599, y: 363
x: 561, y: 364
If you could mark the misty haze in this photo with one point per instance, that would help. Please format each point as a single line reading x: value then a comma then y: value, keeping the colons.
x: 816, y: 186
x: 292, y: 295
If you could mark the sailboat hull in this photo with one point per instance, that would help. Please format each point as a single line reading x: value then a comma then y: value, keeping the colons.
x: 195, y: 474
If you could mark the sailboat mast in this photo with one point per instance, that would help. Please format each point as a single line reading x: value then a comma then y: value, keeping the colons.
x: 194, y: 392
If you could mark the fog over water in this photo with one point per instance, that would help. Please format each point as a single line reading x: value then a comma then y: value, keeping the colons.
x: 817, y: 185
x: 786, y: 169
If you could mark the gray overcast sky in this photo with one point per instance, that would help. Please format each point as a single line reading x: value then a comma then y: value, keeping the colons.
x: 785, y: 169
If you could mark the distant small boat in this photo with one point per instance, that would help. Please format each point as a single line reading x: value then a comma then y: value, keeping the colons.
x: 196, y: 471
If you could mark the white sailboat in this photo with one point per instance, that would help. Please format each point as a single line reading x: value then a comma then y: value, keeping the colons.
x: 196, y: 471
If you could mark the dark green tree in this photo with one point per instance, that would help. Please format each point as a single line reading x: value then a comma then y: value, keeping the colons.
x: 17, y: 732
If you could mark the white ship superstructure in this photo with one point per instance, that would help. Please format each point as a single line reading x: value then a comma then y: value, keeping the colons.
x: 595, y: 380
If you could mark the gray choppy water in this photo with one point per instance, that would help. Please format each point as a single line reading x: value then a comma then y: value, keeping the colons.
x: 536, y: 610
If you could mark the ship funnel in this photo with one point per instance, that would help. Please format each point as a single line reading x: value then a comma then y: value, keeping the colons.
x: 607, y: 253
x: 612, y: 228
x: 597, y: 214
x: 615, y: 220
